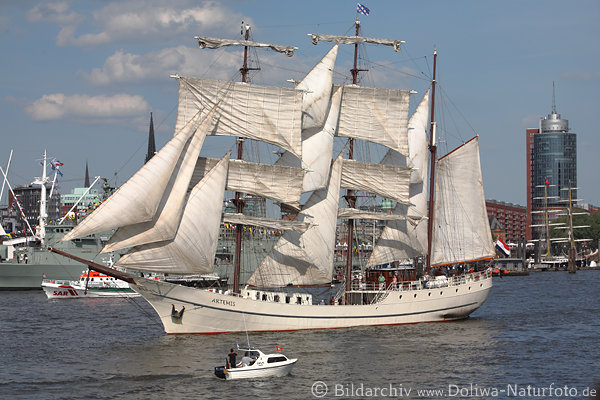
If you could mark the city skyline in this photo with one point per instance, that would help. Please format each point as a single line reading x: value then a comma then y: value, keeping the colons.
x: 81, y: 78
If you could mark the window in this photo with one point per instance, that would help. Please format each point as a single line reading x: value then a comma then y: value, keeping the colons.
x: 276, y: 359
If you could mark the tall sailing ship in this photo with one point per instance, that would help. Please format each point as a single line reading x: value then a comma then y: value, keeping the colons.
x: 569, y: 260
x: 169, y: 213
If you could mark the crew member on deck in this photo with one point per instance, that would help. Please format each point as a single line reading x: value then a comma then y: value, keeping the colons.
x: 232, y: 356
x: 247, y: 361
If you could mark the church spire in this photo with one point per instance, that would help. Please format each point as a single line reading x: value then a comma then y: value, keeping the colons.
x: 86, y: 183
x: 151, y: 144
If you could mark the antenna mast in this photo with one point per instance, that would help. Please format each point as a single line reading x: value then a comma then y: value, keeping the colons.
x: 553, y: 99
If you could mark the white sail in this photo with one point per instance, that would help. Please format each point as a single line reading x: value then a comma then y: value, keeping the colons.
x: 306, y: 259
x: 317, y: 148
x: 376, y: 115
x: 355, y: 40
x: 319, y: 123
x: 279, y: 183
x: 194, y: 246
x: 461, y: 231
x: 317, y: 85
x: 402, y: 240
x: 138, y: 199
x: 353, y: 213
x: 387, y: 181
x: 266, y: 113
x: 164, y: 223
x: 279, y: 224
x: 215, y: 43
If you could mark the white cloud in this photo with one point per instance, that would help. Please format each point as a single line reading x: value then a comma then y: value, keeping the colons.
x: 60, y: 106
x: 127, y: 67
x: 57, y: 13
x: 531, y: 121
x: 4, y: 23
x: 144, y: 20
x: 582, y: 76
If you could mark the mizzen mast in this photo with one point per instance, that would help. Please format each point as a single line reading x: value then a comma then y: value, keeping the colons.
x: 213, y: 43
x: 432, y: 151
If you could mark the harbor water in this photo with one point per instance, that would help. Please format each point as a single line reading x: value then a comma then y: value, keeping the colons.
x: 537, y: 336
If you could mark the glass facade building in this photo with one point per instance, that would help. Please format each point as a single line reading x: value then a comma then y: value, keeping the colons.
x: 552, y: 166
x: 554, y: 159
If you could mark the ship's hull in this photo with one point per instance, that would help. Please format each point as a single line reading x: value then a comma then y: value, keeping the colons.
x: 281, y: 369
x: 28, y: 265
x: 207, y: 312
x: 21, y: 276
x: 58, y: 290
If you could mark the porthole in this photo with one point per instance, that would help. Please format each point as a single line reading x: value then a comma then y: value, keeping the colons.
x: 400, y: 297
x: 441, y: 293
x: 415, y: 295
x: 429, y: 293
x: 456, y: 290
x: 469, y: 287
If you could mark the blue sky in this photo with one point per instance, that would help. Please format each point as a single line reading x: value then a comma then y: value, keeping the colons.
x: 79, y: 78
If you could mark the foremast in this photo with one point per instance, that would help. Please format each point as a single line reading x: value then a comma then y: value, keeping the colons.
x: 238, y: 201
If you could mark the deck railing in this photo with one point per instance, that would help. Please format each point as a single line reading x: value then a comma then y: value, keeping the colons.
x: 422, y: 284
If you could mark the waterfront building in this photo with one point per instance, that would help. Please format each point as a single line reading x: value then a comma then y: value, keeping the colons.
x: 512, y: 219
x: 29, y: 197
x: 551, y: 165
x: 83, y: 200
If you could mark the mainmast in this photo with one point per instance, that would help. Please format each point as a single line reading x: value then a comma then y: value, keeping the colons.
x: 432, y: 152
x: 350, y: 196
x: 213, y: 43
x: 355, y: 40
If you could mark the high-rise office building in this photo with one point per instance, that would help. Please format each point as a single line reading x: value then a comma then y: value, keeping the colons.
x: 551, y: 166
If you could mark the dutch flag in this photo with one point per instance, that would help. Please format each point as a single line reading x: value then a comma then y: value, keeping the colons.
x: 502, y: 247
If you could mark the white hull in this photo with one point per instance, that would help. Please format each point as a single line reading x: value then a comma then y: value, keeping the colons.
x: 261, y: 372
x: 207, y: 312
x: 69, y: 291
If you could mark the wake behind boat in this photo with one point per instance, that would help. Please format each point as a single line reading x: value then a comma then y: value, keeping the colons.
x: 261, y: 366
x: 176, y: 230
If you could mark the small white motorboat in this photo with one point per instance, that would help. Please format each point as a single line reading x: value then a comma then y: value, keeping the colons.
x: 90, y: 284
x: 262, y: 366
